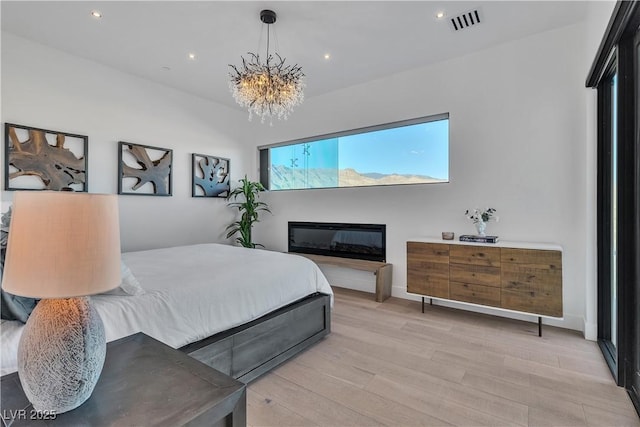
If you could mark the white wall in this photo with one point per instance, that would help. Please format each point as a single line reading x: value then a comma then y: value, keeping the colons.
x: 598, y: 15
x: 522, y: 140
x: 517, y: 132
x: 46, y: 88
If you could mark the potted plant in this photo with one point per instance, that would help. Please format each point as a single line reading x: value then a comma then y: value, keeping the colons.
x: 249, y: 209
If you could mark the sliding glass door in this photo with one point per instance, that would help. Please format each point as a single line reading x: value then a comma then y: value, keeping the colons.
x: 633, y: 380
x: 616, y: 75
x: 608, y: 225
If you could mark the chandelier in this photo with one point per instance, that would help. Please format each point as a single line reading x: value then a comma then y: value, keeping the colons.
x: 270, y: 88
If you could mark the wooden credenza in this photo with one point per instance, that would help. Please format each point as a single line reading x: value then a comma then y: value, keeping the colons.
x: 523, y: 277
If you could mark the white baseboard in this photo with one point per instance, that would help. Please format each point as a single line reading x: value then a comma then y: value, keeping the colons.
x: 590, y: 331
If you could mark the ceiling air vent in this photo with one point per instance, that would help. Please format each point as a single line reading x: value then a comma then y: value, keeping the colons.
x: 466, y: 20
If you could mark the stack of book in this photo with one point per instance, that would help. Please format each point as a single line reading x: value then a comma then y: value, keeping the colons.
x: 478, y: 239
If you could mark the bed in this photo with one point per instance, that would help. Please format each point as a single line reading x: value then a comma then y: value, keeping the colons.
x: 242, y: 311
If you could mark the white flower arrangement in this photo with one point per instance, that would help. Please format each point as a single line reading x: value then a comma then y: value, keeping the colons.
x: 486, y: 215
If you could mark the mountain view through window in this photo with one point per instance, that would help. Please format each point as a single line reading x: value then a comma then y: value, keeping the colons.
x: 416, y: 153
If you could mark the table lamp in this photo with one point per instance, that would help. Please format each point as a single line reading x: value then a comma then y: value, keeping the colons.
x: 62, y: 247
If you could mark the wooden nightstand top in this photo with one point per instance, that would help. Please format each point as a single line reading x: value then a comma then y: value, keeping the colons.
x: 144, y: 382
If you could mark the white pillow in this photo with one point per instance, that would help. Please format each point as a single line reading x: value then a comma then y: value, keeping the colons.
x: 129, y: 284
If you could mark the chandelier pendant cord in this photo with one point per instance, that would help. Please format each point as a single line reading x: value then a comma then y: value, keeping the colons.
x: 268, y: 38
x: 268, y: 59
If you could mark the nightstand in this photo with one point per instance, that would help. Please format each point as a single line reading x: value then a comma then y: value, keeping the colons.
x: 144, y: 383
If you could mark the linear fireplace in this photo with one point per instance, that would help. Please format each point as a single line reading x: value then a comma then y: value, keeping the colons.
x: 361, y: 241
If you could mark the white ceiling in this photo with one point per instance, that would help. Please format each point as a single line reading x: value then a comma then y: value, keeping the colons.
x: 366, y: 40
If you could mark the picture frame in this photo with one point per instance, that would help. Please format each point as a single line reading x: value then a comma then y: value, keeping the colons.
x: 144, y: 170
x: 43, y: 159
x: 210, y: 176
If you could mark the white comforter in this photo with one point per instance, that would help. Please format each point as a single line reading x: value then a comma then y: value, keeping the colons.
x: 192, y: 292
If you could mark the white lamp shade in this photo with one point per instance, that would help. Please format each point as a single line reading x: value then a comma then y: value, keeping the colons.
x: 62, y: 245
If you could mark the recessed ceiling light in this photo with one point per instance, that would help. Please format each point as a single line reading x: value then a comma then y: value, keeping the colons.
x: 440, y: 15
x: 327, y: 56
x: 96, y: 14
x: 192, y: 56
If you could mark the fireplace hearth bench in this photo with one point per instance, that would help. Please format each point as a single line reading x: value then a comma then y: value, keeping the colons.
x: 382, y: 270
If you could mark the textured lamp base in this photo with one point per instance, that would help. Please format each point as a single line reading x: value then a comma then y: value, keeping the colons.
x: 61, y: 354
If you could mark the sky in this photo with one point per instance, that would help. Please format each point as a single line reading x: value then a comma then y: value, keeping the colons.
x: 413, y: 150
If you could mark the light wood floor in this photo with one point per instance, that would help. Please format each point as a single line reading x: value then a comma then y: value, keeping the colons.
x: 389, y: 364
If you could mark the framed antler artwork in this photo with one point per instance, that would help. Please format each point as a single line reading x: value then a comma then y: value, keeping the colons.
x: 41, y: 159
x: 144, y: 170
x: 210, y: 176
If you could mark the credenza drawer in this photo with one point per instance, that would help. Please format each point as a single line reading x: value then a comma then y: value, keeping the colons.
x: 477, y: 294
x: 477, y: 274
x: 474, y: 255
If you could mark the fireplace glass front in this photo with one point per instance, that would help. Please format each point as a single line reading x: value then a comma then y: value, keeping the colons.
x: 361, y: 241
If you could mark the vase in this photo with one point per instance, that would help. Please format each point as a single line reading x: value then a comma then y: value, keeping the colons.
x: 481, y: 226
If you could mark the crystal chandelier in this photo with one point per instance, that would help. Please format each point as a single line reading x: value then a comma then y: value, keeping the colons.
x: 268, y: 89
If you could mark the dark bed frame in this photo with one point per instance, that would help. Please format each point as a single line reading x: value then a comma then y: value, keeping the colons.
x: 250, y: 350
